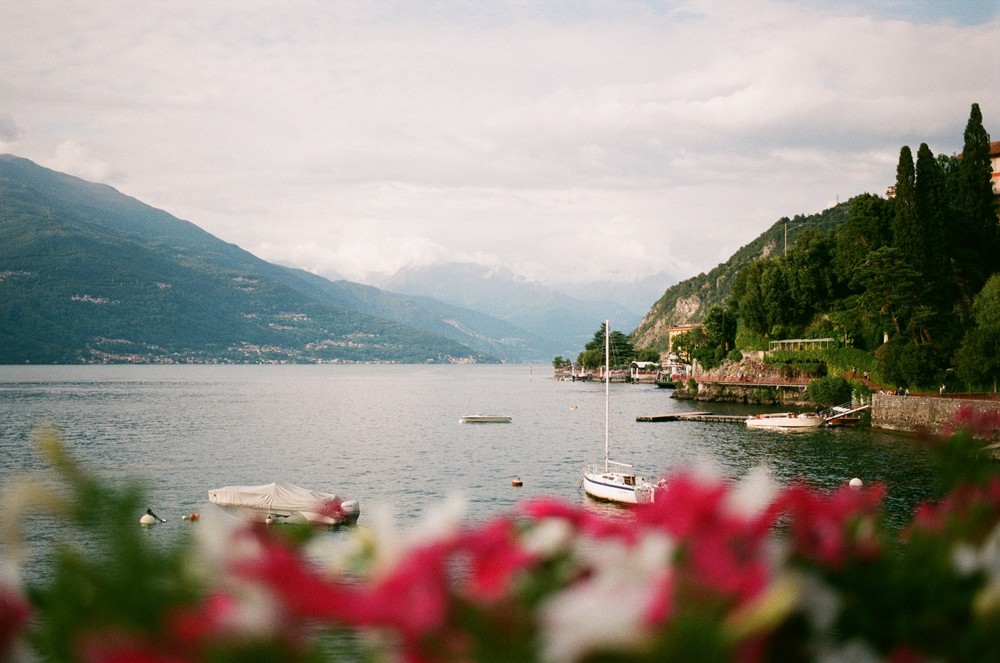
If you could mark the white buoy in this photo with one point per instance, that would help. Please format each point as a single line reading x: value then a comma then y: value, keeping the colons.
x: 855, y: 483
x: 150, y: 518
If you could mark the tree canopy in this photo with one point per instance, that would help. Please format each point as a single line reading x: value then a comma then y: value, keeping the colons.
x: 897, y: 278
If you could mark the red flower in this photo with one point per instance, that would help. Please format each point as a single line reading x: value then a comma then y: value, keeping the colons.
x: 584, y: 520
x: 496, y: 557
x: 971, y: 509
x: 685, y: 507
x: 106, y: 647
x: 721, y: 549
x: 304, y: 592
x: 982, y: 424
x: 828, y: 528
x: 197, y: 624
x: 413, y: 598
x: 14, y: 615
x: 661, y: 605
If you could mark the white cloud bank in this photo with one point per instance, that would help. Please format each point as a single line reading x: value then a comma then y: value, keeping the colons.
x: 565, y: 141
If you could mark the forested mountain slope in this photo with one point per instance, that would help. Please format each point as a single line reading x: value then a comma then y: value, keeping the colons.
x: 688, y: 301
x: 88, y: 274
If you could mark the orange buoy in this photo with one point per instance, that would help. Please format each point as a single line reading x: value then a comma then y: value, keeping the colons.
x: 516, y: 482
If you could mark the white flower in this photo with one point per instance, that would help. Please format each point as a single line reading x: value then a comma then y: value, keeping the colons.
x: 218, y: 545
x: 605, y: 612
x: 753, y: 494
x: 548, y: 538
x: 967, y: 559
x: 387, y: 544
x: 819, y: 602
x: 855, y: 651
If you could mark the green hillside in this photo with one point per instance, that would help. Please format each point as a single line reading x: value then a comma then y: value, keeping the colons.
x: 908, y: 284
x: 688, y: 301
x: 90, y: 275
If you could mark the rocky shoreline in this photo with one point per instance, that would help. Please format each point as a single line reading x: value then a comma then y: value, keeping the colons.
x: 748, y: 381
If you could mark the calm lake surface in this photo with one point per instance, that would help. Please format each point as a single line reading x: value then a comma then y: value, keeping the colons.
x: 391, y: 435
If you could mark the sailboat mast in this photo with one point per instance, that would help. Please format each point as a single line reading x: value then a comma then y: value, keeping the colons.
x: 607, y: 388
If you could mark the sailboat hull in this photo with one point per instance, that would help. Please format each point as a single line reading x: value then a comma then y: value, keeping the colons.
x: 617, y: 487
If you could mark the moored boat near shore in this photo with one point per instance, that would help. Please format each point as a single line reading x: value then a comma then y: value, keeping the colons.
x: 286, y: 503
x: 785, y: 420
x: 485, y: 419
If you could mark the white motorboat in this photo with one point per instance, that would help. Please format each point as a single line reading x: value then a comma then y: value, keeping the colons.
x: 612, y: 481
x: 785, y: 420
x: 286, y: 503
x: 485, y: 419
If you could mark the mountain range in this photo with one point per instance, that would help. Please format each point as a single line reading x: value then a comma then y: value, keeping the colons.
x: 503, y: 295
x: 88, y: 274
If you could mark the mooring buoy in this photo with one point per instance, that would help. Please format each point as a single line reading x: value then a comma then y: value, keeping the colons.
x: 150, y: 518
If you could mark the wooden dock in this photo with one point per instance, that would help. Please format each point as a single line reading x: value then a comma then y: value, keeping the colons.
x: 694, y: 416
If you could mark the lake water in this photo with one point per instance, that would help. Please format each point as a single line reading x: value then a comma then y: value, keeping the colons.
x: 391, y: 434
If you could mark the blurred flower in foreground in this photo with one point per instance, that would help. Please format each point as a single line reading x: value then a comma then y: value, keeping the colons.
x: 713, y: 570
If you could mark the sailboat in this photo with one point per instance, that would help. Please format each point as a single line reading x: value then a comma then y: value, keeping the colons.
x: 613, y: 481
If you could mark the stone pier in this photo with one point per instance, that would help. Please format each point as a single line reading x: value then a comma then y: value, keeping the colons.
x: 913, y: 414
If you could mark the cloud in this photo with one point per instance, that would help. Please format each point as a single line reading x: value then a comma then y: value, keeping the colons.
x: 75, y: 159
x: 565, y: 142
x: 8, y: 129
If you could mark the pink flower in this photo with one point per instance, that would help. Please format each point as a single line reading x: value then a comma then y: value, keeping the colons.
x: 983, y: 424
x: 305, y: 594
x: 582, y: 519
x: 721, y: 549
x: 684, y: 507
x: 496, y: 557
x: 661, y: 603
x: 103, y: 647
x: 14, y: 616
x: 971, y: 510
x: 413, y: 598
x: 906, y: 654
x: 832, y: 528
x: 201, y: 623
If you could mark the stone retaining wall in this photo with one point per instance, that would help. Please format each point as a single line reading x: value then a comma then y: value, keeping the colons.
x: 914, y: 414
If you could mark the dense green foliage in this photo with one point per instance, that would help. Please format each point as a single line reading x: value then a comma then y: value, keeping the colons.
x: 90, y: 275
x: 829, y: 390
x: 710, y: 343
x: 690, y: 300
x: 621, y: 351
x: 895, y: 281
x: 978, y: 360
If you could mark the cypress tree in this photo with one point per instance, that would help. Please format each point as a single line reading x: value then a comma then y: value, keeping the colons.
x: 907, y: 235
x: 931, y: 207
x: 976, y: 205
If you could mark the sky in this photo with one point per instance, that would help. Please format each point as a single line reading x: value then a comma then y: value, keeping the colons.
x: 572, y: 141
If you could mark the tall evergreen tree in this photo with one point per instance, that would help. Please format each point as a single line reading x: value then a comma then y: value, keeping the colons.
x: 931, y: 212
x: 976, y: 205
x: 907, y: 235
